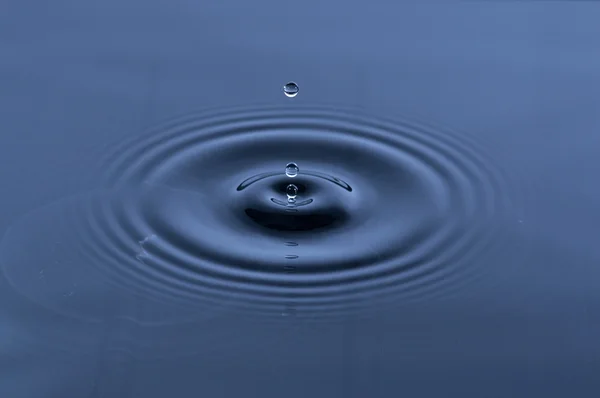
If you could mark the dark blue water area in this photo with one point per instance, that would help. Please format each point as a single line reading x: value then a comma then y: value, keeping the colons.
x: 440, y: 237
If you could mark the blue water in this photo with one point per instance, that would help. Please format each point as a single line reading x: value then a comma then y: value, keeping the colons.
x: 442, y: 241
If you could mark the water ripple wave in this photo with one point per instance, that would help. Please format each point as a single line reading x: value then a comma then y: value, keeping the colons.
x: 393, y: 212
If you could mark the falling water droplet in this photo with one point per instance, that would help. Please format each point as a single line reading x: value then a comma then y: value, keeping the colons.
x: 291, y: 89
x: 291, y: 170
x: 291, y: 192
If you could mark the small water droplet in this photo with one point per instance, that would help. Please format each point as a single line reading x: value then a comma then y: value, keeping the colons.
x: 292, y: 192
x: 291, y: 170
x: 291, y: 89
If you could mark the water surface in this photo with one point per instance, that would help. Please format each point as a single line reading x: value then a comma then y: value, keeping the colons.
x: 442, y: 240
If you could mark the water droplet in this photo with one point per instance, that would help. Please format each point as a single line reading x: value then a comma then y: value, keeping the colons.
x: 292, y: 192
x: 291, y: 89
x: 291, y: 256
x: 291, y: 170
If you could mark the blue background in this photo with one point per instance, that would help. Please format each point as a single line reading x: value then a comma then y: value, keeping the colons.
x: 523, y: 77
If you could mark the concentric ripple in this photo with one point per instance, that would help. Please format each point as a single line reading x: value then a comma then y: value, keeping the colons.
x: 197, y: 211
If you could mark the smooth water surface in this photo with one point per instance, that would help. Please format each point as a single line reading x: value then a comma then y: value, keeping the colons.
x: 178, y: 220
